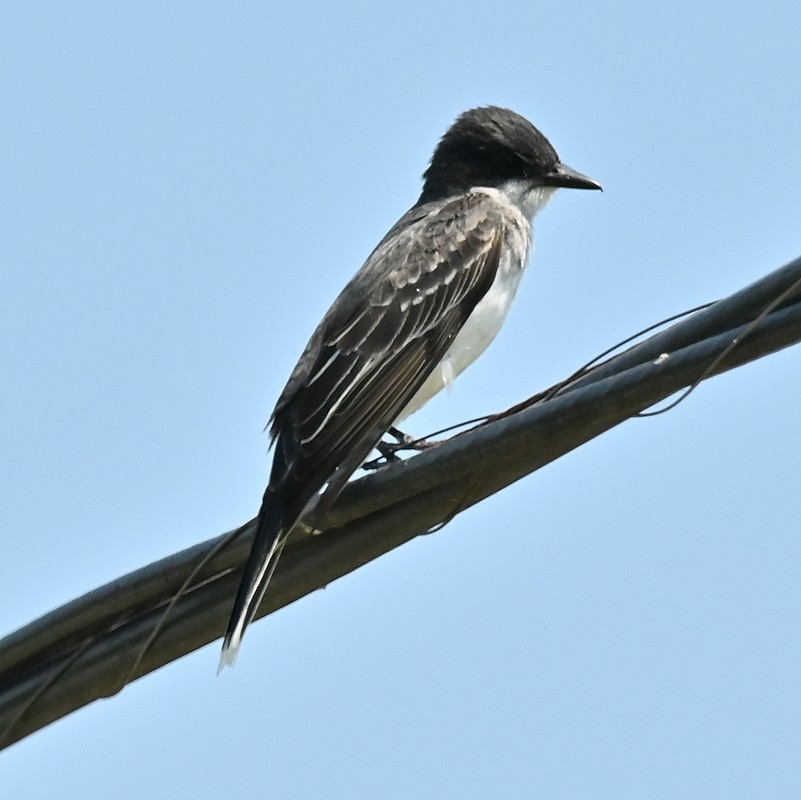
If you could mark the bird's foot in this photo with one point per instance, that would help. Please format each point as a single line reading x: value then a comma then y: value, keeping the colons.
x: 389, y: 450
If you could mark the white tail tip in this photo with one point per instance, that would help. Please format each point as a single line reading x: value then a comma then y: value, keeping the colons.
x: 230, y: 651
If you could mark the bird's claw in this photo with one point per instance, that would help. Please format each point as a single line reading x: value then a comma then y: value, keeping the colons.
x: 389, y: 450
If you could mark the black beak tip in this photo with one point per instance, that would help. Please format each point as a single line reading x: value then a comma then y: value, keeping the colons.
x: 567, y: 177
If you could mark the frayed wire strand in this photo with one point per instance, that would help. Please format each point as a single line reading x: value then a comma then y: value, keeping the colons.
x: 736, y: 340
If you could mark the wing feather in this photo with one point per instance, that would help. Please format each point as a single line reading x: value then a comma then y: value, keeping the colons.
x: 382, y: 338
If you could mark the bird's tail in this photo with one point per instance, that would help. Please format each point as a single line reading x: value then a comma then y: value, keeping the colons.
x: 271, y: 535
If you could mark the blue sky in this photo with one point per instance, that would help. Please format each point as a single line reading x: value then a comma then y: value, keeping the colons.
x: 626, y: 623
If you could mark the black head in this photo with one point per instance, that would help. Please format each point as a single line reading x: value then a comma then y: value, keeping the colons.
x: 487, y: 146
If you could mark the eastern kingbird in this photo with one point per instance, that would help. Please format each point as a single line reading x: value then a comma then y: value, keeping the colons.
x: 427, y: 302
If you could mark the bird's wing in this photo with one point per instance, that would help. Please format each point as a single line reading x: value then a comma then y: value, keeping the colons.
x: 390, y: 328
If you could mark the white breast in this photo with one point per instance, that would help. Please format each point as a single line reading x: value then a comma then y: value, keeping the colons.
x: 519, y: 205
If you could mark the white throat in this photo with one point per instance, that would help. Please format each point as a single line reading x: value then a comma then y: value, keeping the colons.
x: 527, y: 199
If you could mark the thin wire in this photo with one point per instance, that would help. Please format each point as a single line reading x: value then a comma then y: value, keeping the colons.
x: 750, y: 328
x: 588, y: 366
x: 80, y: 651
x: 547, y: 394
x: 41, y: 689
x: 159, y: 626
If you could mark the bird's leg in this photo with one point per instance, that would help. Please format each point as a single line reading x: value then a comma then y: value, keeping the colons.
x: 404, y: 442
x: 389, y: 450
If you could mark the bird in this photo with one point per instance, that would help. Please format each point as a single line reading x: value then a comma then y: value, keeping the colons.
x: 427, y: 302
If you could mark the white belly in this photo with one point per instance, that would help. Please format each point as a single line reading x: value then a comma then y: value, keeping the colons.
x: 480, y: 329
x: 521, y: 203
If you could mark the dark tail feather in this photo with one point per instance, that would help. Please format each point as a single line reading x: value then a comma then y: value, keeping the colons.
x: 267, y: 545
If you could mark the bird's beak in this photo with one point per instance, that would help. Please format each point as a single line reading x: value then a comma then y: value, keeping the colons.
x: 562, y: 175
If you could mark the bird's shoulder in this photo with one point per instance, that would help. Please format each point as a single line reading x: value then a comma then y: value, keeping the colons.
x: 429, y: 241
